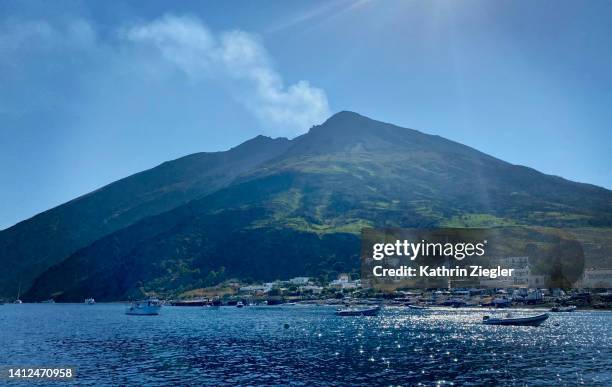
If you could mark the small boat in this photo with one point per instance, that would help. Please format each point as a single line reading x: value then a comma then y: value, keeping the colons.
x: 90, y: 301
x: 358, y: 311
x: 240, y: 304
x: 150, y: 307
x: 532, y: 321
x: 560, y: 309
x: 49, y: 301
x: 417, y: 307
x: 18, y: 299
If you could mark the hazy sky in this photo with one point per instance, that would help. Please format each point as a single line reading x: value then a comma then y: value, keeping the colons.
x: 94, y: 91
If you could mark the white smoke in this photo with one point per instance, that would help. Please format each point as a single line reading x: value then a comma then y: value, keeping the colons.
x: 240, y: 61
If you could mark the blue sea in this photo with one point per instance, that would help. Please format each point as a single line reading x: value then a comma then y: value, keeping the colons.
x: 304, y: 345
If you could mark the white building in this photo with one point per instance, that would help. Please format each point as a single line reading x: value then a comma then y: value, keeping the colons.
x: 344, y: 282
x: 257, y: 288
x: 538, y: 281
x: 299, y: 280
x: 314, y: 289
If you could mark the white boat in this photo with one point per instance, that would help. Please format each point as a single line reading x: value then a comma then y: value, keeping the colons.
x: 90, y: 301
x: 149, y: 307
x: 532, y: 321
x: 239, y: 304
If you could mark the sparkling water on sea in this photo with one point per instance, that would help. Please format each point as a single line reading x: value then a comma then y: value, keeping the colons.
x: 253, y: 346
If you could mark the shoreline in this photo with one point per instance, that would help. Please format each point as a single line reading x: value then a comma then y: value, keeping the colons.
x: 322, y: 303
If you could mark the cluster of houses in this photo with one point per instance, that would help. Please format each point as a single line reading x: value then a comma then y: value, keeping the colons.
x: 523, y: 276
x: 302, y: 284
x: 305, y: 288
x: 524, y: 288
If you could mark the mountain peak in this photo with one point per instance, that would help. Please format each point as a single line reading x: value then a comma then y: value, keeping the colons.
x: 345, y: 116
x: 347, y: 131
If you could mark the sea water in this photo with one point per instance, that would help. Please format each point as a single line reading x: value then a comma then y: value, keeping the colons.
x: 304, y: 345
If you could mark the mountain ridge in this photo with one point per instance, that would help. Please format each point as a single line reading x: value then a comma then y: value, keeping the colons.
x: 321, y: 187
x: 61, y: 230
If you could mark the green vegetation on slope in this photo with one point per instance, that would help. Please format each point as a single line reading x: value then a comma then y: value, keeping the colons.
x: 300, y: 212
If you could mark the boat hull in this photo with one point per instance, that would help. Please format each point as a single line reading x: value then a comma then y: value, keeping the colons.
x: 191, y: 303
x: 143, y: 311
x: 359, y: 312
x: 532, y: 321
x: 147, y: 308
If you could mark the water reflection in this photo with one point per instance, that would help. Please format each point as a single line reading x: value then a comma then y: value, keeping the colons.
x: 252, y: 346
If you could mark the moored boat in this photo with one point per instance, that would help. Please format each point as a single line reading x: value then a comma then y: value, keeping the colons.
x: 358, y: 311
x: 239, y: 304
x: 533, y: 321
x: 194, y: 302
x: 150, y: 307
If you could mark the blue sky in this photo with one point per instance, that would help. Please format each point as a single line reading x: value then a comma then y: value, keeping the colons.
x: 91, y: 92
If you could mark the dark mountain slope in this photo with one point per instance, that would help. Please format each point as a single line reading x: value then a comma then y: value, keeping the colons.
x: 32, y: 246
x: 300, y: 212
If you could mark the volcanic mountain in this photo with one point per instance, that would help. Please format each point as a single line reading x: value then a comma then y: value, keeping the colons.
x: 277, y: 208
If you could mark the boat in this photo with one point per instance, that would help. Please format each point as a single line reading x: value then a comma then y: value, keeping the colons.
x: 149, y: 307
x: 194, y: 302
x: 417, y: 307
x: 560, y: 309
x: 532, y: 321
x: 90, y: 301
x: 358, y: 311
x: 239, y: 304
x: 18, y: 300
x: 49, y: 301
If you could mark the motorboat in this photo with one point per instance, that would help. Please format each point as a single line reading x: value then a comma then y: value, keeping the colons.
x: 240, y: 304
x: 149, y: 307
x: 358, y: 311
x: 532, y: 321
x: 90, y: 301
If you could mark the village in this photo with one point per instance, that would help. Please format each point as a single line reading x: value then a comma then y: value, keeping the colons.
x: 344, y: 290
